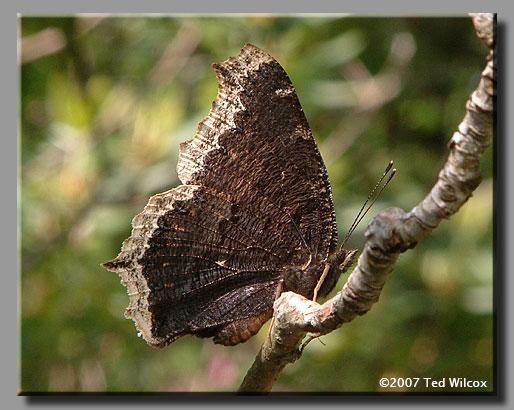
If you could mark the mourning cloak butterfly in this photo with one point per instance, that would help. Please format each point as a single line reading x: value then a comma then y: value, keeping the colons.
x: 253, y: 217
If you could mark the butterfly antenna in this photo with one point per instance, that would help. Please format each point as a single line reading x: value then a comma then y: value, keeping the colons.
x: 362, y: 213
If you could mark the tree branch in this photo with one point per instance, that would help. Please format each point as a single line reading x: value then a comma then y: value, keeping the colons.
x: 392, y: 232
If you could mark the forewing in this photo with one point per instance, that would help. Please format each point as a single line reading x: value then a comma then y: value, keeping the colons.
x: 256, y: 146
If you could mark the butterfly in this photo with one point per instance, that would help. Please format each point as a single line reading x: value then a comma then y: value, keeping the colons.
x: 254, y: 216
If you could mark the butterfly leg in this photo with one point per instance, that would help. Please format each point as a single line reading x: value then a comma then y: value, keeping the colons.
x: 280, y: 288
x: 320, y: 281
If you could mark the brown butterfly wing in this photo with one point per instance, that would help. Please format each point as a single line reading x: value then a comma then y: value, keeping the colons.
x: 206, y: 257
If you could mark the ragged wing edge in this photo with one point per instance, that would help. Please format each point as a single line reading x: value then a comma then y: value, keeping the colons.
x: 225, y: 107
x: 127, y: 263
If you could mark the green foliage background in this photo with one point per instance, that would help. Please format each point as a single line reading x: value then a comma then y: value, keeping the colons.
x: 105, y: 101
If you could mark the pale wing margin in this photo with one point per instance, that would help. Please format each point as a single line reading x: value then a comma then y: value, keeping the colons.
x: 224, y: 108
x: 127, y: 265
